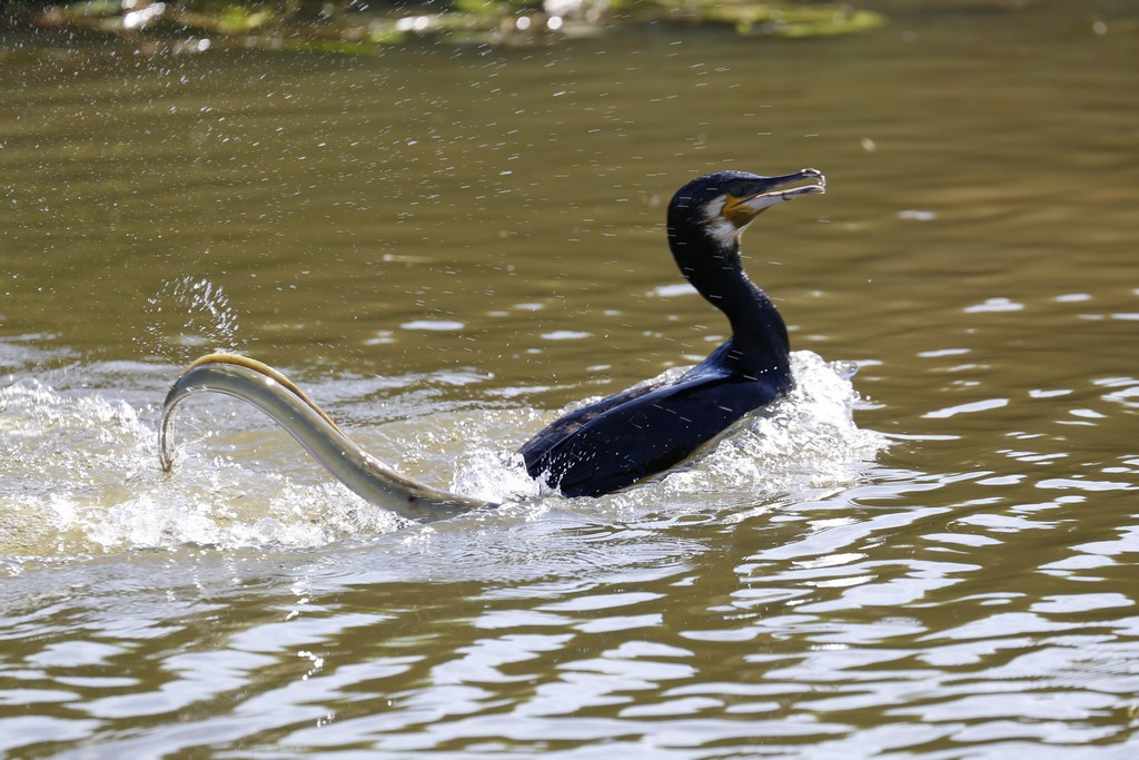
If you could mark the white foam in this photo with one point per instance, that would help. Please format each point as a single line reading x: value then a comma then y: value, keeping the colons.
x: 808, y: 439
x: 80, y: 474
x: 82, y: 477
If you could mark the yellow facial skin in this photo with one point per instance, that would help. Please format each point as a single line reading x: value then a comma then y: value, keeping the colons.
x: 738, y: 212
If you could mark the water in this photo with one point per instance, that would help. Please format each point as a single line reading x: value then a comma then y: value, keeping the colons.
x: 448, y: 247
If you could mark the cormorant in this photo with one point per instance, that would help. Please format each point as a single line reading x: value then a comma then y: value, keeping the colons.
x: 617, y: 441
x: 604, y: 446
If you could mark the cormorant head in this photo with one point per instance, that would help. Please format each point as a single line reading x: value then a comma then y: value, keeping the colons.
x: 722, y: 204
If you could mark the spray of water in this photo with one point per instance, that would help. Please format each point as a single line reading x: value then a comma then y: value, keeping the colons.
x: 81, y: 476
x: 807, y: 439
x: 186, y: 316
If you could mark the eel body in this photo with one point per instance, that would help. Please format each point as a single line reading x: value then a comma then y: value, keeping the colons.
x: 277, y: 396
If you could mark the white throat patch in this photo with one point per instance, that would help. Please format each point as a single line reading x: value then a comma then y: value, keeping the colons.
x: 716, y: 226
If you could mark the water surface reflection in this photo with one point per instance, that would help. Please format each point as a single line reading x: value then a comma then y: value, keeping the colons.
x: 447, y: 247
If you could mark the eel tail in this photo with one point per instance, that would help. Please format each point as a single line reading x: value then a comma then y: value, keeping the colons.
x: 276, y: 395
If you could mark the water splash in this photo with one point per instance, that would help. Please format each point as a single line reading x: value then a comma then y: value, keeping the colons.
x: 81, y: 477
x: 186, y: 315
x: 808, y: 439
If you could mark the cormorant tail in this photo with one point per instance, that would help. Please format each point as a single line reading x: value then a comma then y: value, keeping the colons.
x: 276, y: 395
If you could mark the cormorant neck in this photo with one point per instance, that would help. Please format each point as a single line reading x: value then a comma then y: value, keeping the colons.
x: 759, y: 344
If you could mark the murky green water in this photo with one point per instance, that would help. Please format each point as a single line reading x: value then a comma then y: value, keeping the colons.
x: 448, y: 246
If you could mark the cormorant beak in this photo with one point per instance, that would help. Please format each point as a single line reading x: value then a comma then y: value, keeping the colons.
x: 765, y: 193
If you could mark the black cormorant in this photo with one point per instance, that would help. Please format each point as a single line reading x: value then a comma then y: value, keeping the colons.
x: 617, y: 441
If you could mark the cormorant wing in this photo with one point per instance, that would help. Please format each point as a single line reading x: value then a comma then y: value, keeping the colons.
x: 644, y: 434
x: 569, y: 424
